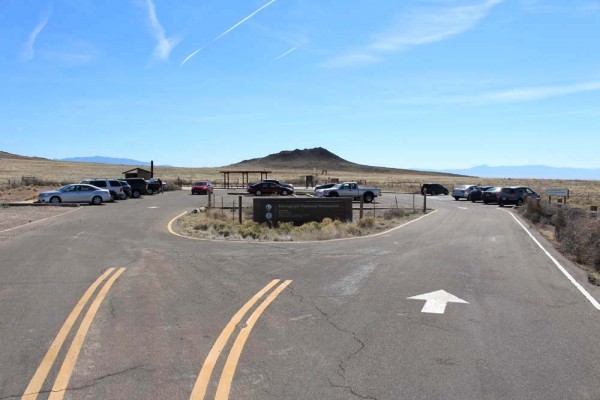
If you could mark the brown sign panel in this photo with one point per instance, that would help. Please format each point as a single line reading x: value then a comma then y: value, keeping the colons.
x: 290, y: 209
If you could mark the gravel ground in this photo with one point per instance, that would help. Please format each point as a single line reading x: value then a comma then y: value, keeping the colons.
x: 12, y: 217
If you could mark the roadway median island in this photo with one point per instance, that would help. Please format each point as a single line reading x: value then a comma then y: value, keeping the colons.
x: 222, y: 224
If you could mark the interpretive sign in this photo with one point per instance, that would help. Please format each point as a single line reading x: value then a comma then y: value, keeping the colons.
x: 290, y: 209
x: 558, y: 192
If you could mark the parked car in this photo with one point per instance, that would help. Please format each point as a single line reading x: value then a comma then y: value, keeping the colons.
x: 138, y: 186
x: 75, y: 193
x: 491, y: 195
x: 126, y: 187
x: 324, y: 186
x: 154, y: 186
x: 203, y: 187
x: 477, y: 193
x: 261, y: 188
x: 515, y: 195
x: 433, y: 189
x: 279, y: 183
x: 462, y: 192
x: 112, y: 185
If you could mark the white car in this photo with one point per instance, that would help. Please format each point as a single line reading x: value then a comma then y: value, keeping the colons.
x: 75, y: 193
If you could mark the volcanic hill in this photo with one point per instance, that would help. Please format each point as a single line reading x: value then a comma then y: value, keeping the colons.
x: 317, y: 158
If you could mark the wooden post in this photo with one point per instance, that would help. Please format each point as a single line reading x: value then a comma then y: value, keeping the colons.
x: 560, y: 202
x: 425, y: 202
x: 240, y: 209
x: 594, y: 211
x: 362, y: 202
x: 209, y: 196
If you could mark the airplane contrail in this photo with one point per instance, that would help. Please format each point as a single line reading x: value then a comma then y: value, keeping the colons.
x: 230, y: 29
x: 191, y: 55
x: 244, y: 20
x: 286, y: 53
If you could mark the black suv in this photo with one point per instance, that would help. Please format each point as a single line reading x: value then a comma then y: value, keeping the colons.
x: 515, y: 195
x: 138, y: 186
x: 433, y: 189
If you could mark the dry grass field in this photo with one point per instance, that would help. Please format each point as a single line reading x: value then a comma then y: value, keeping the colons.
x: 48, y: 172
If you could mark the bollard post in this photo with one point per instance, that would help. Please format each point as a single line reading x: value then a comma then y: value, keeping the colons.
x: 425, y: 202
x: 414, y: 211
x: 240, y: 209
x: 209, y: 198
x: 594, y: 211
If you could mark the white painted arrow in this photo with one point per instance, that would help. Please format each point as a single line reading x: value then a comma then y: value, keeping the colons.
x: 435, y: 302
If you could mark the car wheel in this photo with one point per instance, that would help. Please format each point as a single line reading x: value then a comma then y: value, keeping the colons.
x: 135, y: 194
x: 258, y: 193
x: 334, y: 194
x: 123, y: 197
x: 519, y: 202
x: 150, y: 191
x: 96, y: 200
x: 468, y: 197
x: 368, y: 197
x: 55, y: 200
x: 284, y: 193
x: 500, y: 204
x: 485, y: 202
x: 446, y: 192
x: 456, y: 198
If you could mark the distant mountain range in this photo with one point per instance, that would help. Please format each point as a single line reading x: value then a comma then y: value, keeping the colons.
x: 528, y: 171
x: 106, y: 160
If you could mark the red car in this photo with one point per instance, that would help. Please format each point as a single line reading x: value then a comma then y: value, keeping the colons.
x: 269, y: 188
x: 202, y: 187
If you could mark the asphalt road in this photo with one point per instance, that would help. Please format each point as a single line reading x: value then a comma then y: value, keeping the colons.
x: 329, y: 320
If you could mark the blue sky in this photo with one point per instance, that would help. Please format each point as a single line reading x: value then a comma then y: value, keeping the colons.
x: 410, y: 84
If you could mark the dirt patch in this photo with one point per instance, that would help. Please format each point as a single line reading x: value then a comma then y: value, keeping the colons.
x: 22, y: 193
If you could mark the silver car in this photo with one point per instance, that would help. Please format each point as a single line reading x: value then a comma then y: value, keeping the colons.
x: 75, y: 193
x: 463, y: 192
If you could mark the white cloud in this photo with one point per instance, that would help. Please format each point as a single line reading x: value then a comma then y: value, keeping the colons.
x: 415, y: 29
x: 28, y: 51
x: 517, y: 95
x: 164, y: 44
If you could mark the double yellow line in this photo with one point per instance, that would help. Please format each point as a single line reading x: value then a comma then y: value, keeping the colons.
x: 224, y: 385
x: 64, y: 374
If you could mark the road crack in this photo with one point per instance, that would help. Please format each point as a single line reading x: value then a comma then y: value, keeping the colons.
x: 86, y: 386
x: 341, y: 371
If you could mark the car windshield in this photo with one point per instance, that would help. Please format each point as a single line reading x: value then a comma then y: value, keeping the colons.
x: 64, y: 188
x: 200, y: 184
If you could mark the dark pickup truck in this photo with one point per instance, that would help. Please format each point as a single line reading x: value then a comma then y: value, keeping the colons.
x: 154, y: 186
x: 139, y: 186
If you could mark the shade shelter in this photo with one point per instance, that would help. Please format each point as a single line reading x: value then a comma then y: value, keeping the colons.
x: 245, y: 176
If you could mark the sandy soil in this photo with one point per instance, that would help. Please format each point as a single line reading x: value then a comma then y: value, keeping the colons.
x: 22, y: 193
